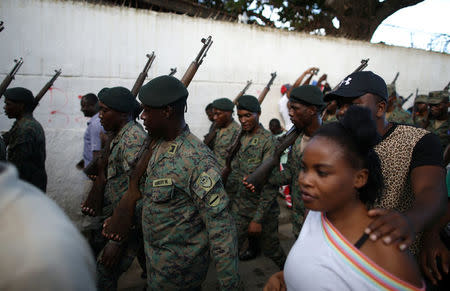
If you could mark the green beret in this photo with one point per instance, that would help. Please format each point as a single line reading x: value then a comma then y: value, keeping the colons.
x: 391, y: 89
x: 117, y: 98
x: 436, y: 97
x: 421, y: 99
x: 248, y: 102
x: 224, y: 104
x: 162, y: 91
x: 19, y: 94
x: 309, y: 94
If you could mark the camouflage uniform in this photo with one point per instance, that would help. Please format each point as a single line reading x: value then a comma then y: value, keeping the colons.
x: 258, y: 207
x: 289, y: 175
x: 223, y: 140
x: 185, y: 218
x: 420, y: 121
x: 124, y: 148
x: 398, y: 115
x: 26, y: 150
x: 441, y: 129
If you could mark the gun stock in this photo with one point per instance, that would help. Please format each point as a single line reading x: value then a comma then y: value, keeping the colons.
x: 362, y: 66
x: 47, y: 86
x: 210, y: 136
x: 249, y: 83
x: 259, y: 176
x: 8, y: 79
x: 232, y: 151
x: 193, y: 67
x: 267, y: 88
x: 143, y: 75
x: 172, y: 71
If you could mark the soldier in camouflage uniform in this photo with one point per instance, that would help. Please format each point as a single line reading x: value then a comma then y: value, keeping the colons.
x: 116, y: 107
x: 25, y: 141
x: 439, y: 122
x: 420, y: 112
x: 306, y: 103
x: 256, y: 213
x: 394, y: 111
x: 185, y: 215
x: 227, y: 128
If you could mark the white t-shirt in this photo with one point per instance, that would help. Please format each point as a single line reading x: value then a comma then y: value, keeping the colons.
x: 40, y: 248
x: 322, y: 259
x: 284, y: 111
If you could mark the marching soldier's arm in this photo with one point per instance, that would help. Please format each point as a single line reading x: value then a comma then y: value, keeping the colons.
x: 212, y: 202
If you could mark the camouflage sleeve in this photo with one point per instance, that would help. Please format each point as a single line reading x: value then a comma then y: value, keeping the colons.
x: 212, y: 203
x: 132, y: 146
x: 267, y: 195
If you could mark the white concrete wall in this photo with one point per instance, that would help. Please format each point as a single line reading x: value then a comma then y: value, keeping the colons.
x: 99, y: 46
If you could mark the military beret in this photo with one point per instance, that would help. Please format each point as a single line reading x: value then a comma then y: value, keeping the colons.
x: 248, y: 102
x: 162, y: 91
x: 117, y: 98
x: 224, y: 104
x: 421, y: 99
x: 309, y: 94
x: 436, y: 97
x: 20, y: 94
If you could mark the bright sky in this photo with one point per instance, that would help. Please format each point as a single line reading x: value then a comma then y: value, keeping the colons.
x: 417, y: 24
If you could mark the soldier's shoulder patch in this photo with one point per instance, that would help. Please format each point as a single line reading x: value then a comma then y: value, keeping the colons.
x: 162, y: 182
x: 172, y: 148
x: 254, y: 141
x: 205, y: 182
x: 214, y: 200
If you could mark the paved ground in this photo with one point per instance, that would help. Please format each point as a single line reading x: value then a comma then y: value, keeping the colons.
x: 254, y: 273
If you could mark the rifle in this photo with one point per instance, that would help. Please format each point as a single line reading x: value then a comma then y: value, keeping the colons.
x: 193, y: 67
x: 361, y: 67
x: 1, y: 26
x: 267, y: 88
x: 409, y: 97
x: 259, y: 176
x: 447, y: 87
x: 249, y: 83
x: 172, y: 71
x: 10, y: 76
x: 141, y: 78
x: 92, y: 169
x: 46, y: 87
x: 395, y: 78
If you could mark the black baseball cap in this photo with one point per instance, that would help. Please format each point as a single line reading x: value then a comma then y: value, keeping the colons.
x: 357, y: 84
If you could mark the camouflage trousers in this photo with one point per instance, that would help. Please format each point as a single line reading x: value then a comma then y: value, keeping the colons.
x: 298, y: 213
x: 107, y: 278
x: 268, y: 240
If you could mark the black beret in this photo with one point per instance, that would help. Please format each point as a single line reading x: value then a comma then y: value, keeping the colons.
x: 248, y: 102
x: 359, y: 83
x: 117, y: 98
x: 162, y: 91
x: 224, y: 104
x: 19, y: 94
x: 309, y: 94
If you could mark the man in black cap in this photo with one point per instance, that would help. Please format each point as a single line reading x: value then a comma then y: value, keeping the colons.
x: 25, y: 141
x: 256, y: 214
x: 306, y: 103
x: 411, y: 160
x: 185, y: 216
x: 116, y: 116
